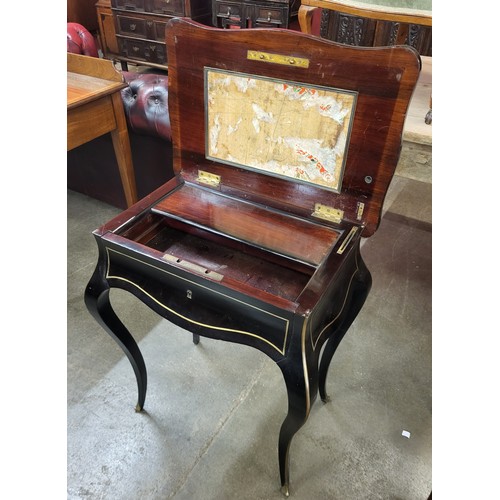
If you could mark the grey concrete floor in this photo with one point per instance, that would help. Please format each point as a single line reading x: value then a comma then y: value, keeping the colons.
x: 213, y: 411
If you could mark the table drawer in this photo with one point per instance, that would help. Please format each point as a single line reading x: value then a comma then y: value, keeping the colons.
x: 133, y: 5
x: 132, y: 26
x: 228, y: 9
x: 274, y: 16
x: 89, y: 121
x: 142, y: 50
x: 161, y: 7
x: 199, y: 301
x: 150, y: 29
x: 167, y: 7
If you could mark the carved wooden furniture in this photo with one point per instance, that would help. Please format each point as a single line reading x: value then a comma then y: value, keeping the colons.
x: 284, y: 147
x: 372, y: 23
x: 95, y: 108
x: 254, y: 13
x: 134, y: 30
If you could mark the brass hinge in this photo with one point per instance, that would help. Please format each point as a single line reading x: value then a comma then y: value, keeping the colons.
x: 208, y: 178
x: 328, y: 213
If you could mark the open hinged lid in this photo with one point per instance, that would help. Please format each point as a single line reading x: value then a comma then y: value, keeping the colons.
x: 288, y: 120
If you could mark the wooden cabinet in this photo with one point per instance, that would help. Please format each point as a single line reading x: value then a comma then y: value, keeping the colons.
x: 82, y: 12
x: 254, y: 13
x: 107, y: 33
x: 134, y: 30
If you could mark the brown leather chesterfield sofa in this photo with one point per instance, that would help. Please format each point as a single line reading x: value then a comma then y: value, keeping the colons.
x: 92, y: 167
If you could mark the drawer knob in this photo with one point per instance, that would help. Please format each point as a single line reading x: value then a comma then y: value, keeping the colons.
x: 132, y: 27
x: 229, y: 11
x: 268, y: 17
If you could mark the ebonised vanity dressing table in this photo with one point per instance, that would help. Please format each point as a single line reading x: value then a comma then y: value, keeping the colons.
x: 284, y: 147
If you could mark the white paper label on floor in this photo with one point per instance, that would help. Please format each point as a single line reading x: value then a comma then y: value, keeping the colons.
x: 406, y: 434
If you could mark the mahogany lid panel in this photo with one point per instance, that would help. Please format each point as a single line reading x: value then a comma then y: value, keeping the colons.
x: 250, y: 223
x: 383, y: 79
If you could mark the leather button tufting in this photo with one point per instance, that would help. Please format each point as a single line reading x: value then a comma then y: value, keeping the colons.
x: 147, y: 99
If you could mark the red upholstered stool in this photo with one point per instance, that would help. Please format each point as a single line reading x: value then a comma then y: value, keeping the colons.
x: 80, y: 40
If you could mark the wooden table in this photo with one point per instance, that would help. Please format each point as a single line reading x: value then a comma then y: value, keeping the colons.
x: 95, y: 108
x: 233, y: 248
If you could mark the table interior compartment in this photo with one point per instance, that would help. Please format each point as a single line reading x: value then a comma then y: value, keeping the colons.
x: 233, y: 260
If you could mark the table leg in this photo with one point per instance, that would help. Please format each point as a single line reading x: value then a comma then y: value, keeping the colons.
x: 301, y: 376
x: 121, y: 145
x: 99, y: 306
x: 360, y: 289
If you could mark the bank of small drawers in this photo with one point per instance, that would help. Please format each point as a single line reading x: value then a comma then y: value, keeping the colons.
x: 161, y: 7
x: 140, y: 26
x: 143, y: 50
x: 137, y: 27
x: 254, y: 13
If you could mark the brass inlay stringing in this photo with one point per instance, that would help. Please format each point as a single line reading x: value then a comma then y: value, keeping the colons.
x: 256, y: 55
x: 303, y: 334
x: 325, y: 328
x: 328, y: 213
x: 195, y: 268
x: 208, y: 178
x: 347, y: 239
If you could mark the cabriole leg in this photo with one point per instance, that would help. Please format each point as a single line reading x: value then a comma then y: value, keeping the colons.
x: 361, y: 288
x: 299, y: 401
x: 99, y: 306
